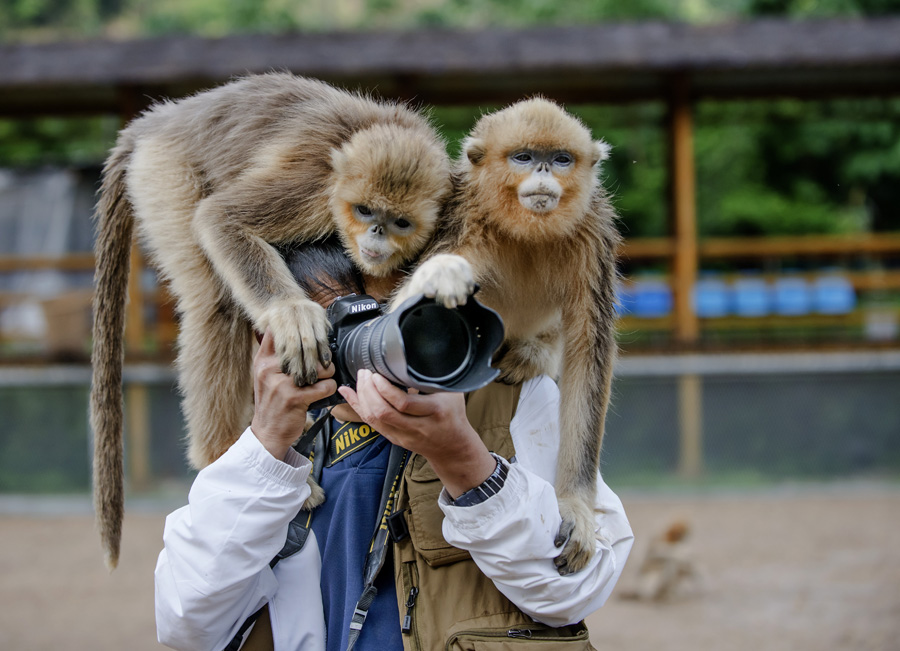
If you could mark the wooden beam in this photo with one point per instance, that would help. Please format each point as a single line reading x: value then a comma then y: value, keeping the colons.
x: 647, y: 248
x: 70, y: 262
x: 767, y: 247
x: 861, y: 280
x: 684, y: 208
x: 804, y: 245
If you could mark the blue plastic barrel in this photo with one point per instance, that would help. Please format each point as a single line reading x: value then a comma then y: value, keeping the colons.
x: 652, y: 299
x: 624, y: 299
x: 792, y: 296
x: 711, y: 297
x: 751, y: 297
x: 833, y: 294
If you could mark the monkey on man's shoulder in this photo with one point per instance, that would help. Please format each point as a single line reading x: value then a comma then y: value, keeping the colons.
x: 529, y: 222
x: 209, y: 184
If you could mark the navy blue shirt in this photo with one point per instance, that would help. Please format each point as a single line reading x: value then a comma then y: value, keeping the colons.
x: 344, y: 526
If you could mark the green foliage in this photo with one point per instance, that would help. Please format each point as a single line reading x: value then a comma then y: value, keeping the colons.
x: 784, y: 167
x: 55, y: 19
x: 636, y: 172
x: 821, y: 8
x: 792, y: 167
x: 59, y: 141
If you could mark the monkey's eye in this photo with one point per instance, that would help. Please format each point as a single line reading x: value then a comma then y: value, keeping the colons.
x: 363, y: 212
x: 563, y: 160
x: 522, y: 157
x: 403, y: 224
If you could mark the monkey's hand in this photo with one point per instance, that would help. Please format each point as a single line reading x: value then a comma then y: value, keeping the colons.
x: 315, y: 498
x: 446, y: 278
x: 523, y: 359
x: 576, y: 535
x: 300, y: 331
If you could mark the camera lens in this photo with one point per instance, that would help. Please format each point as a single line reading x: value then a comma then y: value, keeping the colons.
x: 438, y: 343
x: 422, y: 344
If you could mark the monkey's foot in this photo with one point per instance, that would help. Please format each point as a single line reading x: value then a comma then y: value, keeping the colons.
x: 576, y: 535
x: 523, y: 359
x: 317, y: 496
x: 514, y: 370
x: 447, y: 278
x: 300, y: 331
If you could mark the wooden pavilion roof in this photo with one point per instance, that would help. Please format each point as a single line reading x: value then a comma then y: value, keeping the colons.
x: 600, y: 63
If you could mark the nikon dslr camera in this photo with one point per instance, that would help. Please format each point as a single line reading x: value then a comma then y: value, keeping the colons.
x: 421, y: 345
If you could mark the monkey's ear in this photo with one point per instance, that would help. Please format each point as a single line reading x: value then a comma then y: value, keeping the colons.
x: 601, y: 151
x: 475, y: 150
x: 338, y: 160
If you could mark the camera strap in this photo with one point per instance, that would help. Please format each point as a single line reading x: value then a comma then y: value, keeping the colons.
x: 379, y: 546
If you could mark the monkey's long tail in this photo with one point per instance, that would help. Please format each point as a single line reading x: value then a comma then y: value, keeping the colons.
x: 114, y: 225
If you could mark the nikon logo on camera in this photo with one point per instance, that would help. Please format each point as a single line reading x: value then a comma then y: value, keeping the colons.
x: 363, y: 307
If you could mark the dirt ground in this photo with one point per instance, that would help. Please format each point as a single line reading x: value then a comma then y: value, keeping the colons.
x: 792, y: 568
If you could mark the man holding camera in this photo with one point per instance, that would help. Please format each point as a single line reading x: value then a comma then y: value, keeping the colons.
x: 464, y: 522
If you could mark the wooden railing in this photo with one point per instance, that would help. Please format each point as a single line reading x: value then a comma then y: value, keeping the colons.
x: 161, y: 333
x: 767, y: 247
x: 869, y: 247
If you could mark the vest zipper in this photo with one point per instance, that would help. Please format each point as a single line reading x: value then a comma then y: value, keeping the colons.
x: 518, y: 632
x: 410, y: 602
x: 532, y: 634
x: 411, y: 579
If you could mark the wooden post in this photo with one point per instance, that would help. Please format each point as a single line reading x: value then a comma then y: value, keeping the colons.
x: 683, y: 209
x: 690, y: 426
x: 138, y: 436
x: 137, y: 401
x: 134, y: 316
x: 131, y: 103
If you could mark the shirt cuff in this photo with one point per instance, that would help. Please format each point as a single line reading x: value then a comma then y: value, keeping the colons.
x: 293, y: 471
x: 470, y: 517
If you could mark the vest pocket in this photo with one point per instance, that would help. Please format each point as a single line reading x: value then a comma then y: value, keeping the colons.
x: 425, y: 518
x: 574, y: 638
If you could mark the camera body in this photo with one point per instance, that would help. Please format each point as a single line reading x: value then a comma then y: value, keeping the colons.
x: 344, y: 315
x: 421, y: 344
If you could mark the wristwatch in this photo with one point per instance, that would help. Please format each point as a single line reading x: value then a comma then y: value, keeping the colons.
x: 485, y: 489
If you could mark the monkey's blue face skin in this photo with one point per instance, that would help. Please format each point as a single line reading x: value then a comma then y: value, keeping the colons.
x: 378, y: 242
x: 539, y: 189
x: 558, y: 160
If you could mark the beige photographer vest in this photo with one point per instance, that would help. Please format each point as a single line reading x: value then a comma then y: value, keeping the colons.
x: 456, y: 607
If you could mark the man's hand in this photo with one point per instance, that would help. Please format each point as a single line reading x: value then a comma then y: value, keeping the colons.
x: 280, y: 409
x: 434, y: 426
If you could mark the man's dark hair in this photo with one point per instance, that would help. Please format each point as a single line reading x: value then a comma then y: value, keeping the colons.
x: 323, y: 264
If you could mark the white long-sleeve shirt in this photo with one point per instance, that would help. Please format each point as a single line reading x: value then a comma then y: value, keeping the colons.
x: 214, y: 570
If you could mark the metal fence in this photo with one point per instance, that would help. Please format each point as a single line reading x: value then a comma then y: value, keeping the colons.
x: 745, y: 417
x: 724, y: 419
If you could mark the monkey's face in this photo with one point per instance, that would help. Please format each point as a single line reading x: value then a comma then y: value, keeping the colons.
x: 389, y: 186
x: 532, y: 167
x: 381, y: 237
x: 541, y: 171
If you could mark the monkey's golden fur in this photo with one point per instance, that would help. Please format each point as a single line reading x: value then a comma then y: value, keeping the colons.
x: 550, y: 274
x: 210, y: 182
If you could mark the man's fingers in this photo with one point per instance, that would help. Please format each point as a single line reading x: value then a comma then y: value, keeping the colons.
x: 406, y: 403
x: 350, y: 396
